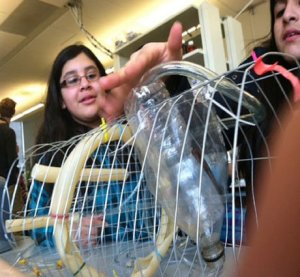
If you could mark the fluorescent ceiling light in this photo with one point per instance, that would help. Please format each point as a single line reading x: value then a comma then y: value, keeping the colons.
x: 26, y: 112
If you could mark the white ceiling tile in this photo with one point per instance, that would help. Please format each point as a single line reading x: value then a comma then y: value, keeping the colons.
x: 57, y: 3
x: 8, y: 42
x: 8, y: 6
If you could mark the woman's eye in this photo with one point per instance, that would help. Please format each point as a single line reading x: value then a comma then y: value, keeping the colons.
x: 279, y: 13
x: 72, y: 80
x: 92, y: 76
x: 279, y: 8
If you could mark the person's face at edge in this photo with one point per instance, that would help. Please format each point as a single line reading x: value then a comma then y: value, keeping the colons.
x: 87, y: 102
x: 287, y: 26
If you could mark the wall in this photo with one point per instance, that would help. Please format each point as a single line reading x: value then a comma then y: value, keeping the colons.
x: 31, y: 126
x: 17, y: 126
x: 256, y: 24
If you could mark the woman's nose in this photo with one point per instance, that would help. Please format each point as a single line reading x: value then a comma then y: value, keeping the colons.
x: 291, y: 11
x: 84, y: 82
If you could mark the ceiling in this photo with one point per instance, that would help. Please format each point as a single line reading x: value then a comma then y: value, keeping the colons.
x: 32, y: 32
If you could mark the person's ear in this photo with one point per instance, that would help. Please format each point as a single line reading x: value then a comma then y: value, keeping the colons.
x: 63, y: 105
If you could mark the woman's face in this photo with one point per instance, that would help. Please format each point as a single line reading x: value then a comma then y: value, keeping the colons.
x: 287, y: 26
x: 82, y: 94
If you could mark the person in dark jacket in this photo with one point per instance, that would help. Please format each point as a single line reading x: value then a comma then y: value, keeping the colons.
x: 8, y: 154
x: 8, y: 143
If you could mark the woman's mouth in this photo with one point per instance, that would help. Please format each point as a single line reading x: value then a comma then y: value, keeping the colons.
x: 291, y: 35
x: 88, y: 100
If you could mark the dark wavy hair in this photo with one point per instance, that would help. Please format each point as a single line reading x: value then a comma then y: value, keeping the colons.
x: 7, y: 108
x: 58, y: 123
x: 270, y: 41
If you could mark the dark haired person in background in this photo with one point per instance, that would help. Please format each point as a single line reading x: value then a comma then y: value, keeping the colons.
x: 8, y: 154
x: 8, y: 143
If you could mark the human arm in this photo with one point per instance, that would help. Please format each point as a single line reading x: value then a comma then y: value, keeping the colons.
x: 8, y: 270
x: 12, y: 155
x: 11, y: 147
x: 86, y: 231
x: 274, y: 245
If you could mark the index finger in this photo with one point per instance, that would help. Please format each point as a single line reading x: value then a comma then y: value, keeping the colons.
x: 148, y: 56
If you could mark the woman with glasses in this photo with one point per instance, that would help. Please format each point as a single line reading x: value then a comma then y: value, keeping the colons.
x: 75, y: 100
x: 75, y: 104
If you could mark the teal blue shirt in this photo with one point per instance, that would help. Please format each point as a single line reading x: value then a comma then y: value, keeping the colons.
x: 128, y: 206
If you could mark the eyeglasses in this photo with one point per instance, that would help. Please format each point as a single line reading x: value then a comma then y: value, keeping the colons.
x: 74, y: 81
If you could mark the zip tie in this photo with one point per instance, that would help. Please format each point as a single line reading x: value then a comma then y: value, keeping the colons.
x: 103, y: 127
x: 79, y: 269
x: 60, y: 216
x: 261, y: 68
x: 158, y: 255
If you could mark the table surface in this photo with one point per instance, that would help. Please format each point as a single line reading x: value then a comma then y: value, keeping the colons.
x: 47, y: 261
